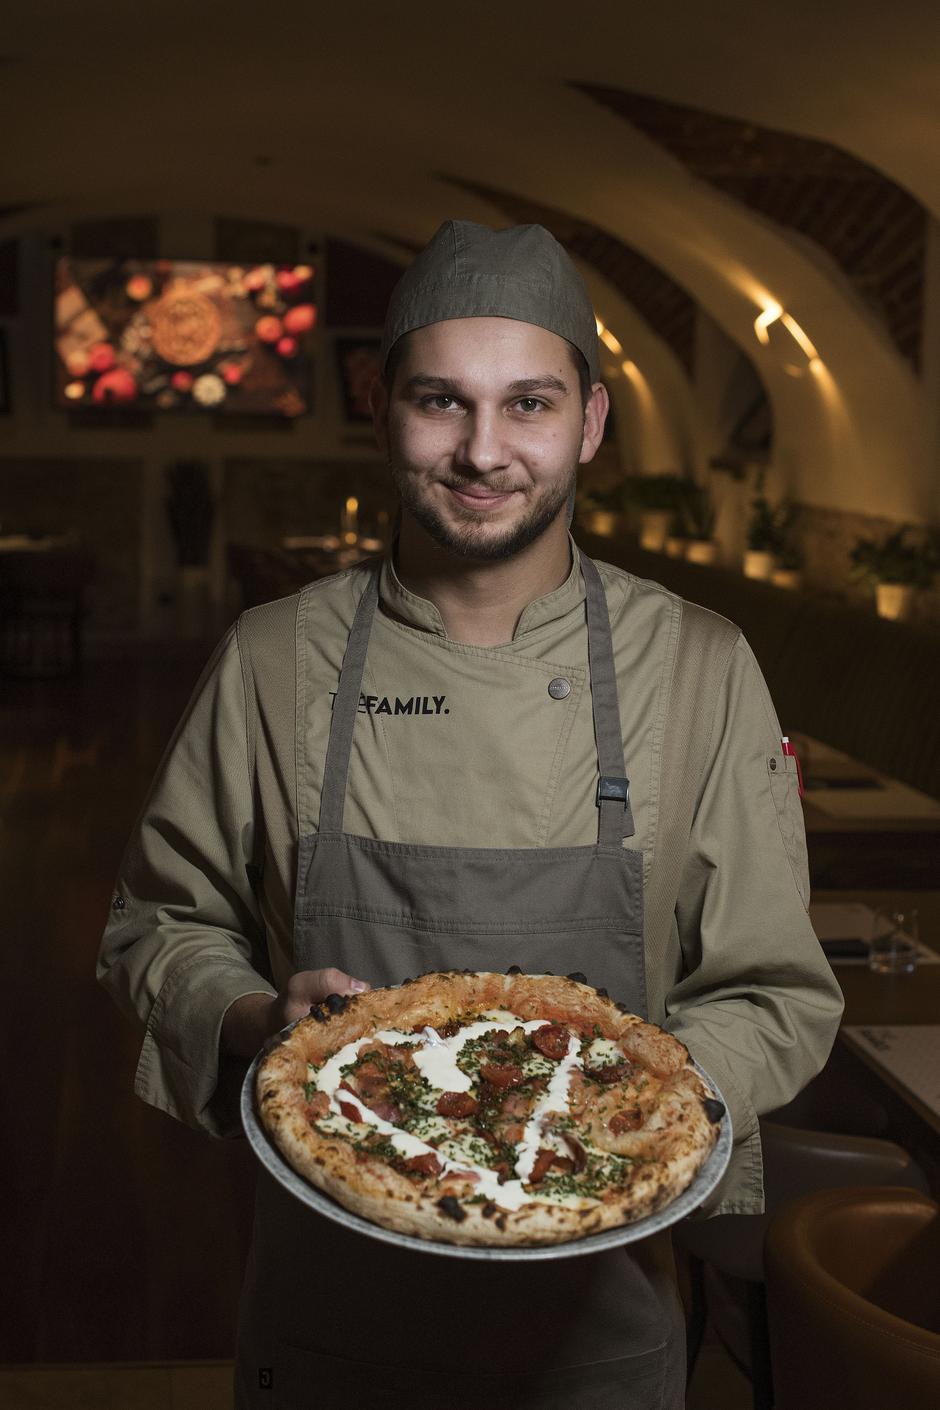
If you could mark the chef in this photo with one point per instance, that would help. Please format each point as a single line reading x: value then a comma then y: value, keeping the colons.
x: 483, y: 750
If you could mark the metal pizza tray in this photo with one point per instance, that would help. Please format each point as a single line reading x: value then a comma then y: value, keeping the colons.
x: 686, y: 1203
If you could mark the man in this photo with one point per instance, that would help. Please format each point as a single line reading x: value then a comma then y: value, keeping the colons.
x: 366, y: 775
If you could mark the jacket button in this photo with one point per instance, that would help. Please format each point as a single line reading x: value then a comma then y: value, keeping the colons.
x: 559, y: 688
x: 118, y: 904
x: 773, y: 765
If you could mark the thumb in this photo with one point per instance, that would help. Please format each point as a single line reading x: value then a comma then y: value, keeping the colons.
x: 311, y: 985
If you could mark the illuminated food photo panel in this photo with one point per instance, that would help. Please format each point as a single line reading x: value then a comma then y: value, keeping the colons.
x: 179, y: 335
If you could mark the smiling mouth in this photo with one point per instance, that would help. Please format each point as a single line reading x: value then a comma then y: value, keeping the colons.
x: 478, y: 497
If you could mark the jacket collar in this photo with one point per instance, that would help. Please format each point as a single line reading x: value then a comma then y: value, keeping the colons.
x: 419, y: 612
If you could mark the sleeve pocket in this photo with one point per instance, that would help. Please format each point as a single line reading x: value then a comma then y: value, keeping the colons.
x: 785, y: 788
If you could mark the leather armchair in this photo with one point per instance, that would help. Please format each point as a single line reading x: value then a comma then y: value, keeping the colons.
x: 853, y: 1294
x: 725, y: 1254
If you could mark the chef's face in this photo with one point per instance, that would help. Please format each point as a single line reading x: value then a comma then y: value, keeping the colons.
x: 484, y: 427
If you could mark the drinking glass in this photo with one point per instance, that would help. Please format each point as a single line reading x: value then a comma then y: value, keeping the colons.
x: 893, y: 948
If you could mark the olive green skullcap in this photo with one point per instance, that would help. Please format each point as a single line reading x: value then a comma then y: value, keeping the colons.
x: 470, y: 271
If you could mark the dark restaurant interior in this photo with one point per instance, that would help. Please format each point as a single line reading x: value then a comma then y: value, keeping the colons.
x: 204, y: 211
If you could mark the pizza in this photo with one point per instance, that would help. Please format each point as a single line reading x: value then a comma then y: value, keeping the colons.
x: 488, y: 1109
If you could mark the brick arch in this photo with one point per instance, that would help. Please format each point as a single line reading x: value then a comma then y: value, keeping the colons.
x: 873, y: 230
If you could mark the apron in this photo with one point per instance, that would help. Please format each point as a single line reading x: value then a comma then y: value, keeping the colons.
x: 331, y: 1318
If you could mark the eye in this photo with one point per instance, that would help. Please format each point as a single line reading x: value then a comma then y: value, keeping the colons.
x: 529, y: 404
x: 440, y: 401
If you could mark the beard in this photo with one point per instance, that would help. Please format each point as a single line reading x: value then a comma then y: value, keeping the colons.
x: 466, y: 534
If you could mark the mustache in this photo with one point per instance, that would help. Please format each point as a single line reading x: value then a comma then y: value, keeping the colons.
x: 475, y: 482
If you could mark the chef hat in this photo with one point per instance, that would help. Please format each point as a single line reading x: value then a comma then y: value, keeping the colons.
x: 470, y: 271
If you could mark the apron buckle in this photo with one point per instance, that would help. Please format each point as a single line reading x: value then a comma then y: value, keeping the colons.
x: 613, y: 790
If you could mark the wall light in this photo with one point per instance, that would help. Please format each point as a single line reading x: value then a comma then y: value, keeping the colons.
x: 607, y: 338
x: 774, y: 313
x: 763, y: 321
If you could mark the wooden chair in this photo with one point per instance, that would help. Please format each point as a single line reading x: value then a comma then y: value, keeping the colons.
x: 42, y: 611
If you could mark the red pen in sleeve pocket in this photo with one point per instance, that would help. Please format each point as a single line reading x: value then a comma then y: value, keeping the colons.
x: 787, y: 748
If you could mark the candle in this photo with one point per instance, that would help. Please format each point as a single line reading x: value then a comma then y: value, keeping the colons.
x: 350, y: 520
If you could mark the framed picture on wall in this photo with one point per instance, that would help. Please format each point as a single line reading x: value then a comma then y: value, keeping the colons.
x: 190, y: 336
x: 4, y: 375
x: 357, y: 361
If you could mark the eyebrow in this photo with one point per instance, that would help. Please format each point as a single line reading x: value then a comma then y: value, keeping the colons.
x: 522, y: 387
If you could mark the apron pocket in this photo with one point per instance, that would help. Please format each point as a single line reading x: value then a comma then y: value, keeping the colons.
x: 311, y: 1380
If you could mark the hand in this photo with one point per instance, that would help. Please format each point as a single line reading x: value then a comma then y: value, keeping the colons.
x: 255, y: 1017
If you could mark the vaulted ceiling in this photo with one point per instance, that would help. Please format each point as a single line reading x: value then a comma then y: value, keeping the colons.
x: 726, y: 157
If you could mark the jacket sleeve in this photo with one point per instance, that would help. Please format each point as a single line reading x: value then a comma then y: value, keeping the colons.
x: 758, y: 1005
x: 185, y: 937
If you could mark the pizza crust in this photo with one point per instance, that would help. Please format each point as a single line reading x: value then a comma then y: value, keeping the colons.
x: 672, y: 1145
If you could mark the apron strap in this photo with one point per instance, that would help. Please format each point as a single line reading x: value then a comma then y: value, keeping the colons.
x: 345, y: 709
x: 613, y: 787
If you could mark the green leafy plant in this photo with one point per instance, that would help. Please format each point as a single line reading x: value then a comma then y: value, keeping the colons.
x: 654, y: 492
x: 191, y: 511
x: 790, y: 558
x: 697, y: 513
x: 768, y: 526
x: 608, y: 500
x: 895, y: 559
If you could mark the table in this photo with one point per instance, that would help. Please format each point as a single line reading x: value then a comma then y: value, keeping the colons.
x: 892, y: 999
x: 864, y: 827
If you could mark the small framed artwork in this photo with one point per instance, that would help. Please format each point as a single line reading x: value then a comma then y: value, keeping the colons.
x: 357, y: 360
x: 4, y: 375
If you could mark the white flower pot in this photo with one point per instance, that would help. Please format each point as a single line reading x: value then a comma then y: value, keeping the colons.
x: 758, y: 564
x: 786, y: 578
x: 701, y: 551
x: 894, y: 600
x: 654, y: 526
x: 603, y: 522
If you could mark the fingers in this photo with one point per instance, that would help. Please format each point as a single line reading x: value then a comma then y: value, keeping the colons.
x: 311, y: 985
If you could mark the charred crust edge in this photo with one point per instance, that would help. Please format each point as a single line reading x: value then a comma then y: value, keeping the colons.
x: 452, y: 1208
x: 714, y: 1109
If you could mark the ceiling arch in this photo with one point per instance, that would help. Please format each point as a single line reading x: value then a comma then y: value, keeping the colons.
x: 661, y: 302
x: 337, y: 120
x: 874, y: 231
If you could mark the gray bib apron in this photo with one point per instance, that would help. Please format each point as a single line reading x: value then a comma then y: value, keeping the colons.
x: 331, y: 1318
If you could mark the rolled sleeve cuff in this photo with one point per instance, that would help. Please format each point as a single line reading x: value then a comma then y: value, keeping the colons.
x: 179, y: 1070
x: 741, y: 1188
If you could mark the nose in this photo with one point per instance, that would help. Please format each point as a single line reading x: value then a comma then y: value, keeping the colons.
x: 483, y: 446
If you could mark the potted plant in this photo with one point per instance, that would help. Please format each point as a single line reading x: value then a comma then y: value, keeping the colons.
x: 601, y: 510
x: 897, y: 568
x: 699, y: 514
x: 191, y: 512
x: 675, y: 542
x: 788, y: 572
x: 766, y: 536
x: 656, y: 499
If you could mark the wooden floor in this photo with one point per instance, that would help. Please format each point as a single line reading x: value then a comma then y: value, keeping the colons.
x: 128, y: 1232
x: 208, y: 1386
x: 125, y: 1234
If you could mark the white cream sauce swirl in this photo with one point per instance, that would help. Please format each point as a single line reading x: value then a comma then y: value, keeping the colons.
x: 436, y: 1059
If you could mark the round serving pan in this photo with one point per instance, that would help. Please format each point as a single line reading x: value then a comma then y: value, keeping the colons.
x: 276, y: 1166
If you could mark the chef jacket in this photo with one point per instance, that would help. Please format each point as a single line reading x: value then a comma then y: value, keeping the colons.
x: 472, y: 746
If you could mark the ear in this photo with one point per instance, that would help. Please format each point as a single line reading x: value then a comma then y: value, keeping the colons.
x: 378, y: 405
x: 595, y: 414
